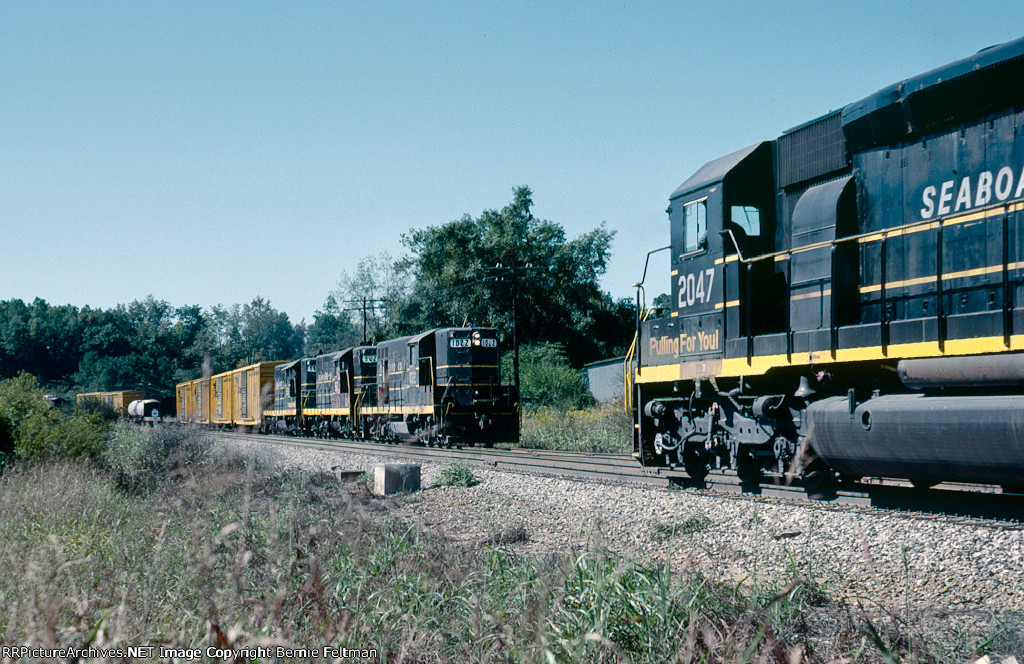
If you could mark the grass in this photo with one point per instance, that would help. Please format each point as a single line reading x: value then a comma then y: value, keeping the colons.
x: 219, y: 551
x: 694, y: 523
x: 457, y: 474
x: 601, y: 429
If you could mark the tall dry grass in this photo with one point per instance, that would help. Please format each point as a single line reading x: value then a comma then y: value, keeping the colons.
x: 601, y: 429
x: 224, y: 553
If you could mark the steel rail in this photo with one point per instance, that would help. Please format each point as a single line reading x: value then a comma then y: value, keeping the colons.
x: 981, y: 502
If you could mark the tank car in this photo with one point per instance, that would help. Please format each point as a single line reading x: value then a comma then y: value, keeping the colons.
x: 848, y: 299
x: 145, y: 411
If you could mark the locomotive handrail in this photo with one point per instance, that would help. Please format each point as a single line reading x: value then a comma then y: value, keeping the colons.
x: 627, y: 365
x: 882, y: 236
x: 938, y: 222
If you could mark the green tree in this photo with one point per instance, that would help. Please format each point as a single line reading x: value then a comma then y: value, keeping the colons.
x: 40, y: 338
x: 266, y: 334
x: 381, y: 283
x: 332, y: 330
x: 32, y: 429
x: 147, y: 344
x: 547, y: 378
x: 476, y: 269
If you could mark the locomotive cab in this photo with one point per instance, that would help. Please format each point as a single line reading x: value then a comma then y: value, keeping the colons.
x: 443, y: 385
x: 721, y: 218
x: 295, y: 393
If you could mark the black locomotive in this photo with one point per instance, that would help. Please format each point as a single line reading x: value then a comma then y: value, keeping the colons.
x: 441, y: 387
x: 848, y: 299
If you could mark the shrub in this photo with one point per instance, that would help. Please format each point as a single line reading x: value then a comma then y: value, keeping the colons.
x: 604, y: 429
x: 32, y: 429
x: 141, y: 457
x: 546, y: 379
x: 457, y: 474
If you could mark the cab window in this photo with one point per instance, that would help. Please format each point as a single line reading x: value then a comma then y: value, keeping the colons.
x: 695, y: 226
x: 748, y: 218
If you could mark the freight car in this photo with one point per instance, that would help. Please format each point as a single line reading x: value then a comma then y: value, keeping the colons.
x: 848, y: 299
x: 439, y: 387
x: 117, y: 401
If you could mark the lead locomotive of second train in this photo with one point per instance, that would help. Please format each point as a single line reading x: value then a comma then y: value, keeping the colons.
x: 848, y: 299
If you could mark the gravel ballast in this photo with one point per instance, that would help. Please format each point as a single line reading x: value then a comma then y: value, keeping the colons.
x: 940, y: 565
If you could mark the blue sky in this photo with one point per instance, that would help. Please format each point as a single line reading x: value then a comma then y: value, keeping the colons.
x: 210, y: 153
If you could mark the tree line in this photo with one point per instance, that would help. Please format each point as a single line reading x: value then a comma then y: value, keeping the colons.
x: 502, y: 265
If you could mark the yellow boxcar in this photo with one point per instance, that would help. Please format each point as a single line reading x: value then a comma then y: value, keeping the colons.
x: 221, y: 398
x: 252, y: 393
x: 183, y: 405
x: 116, y: 400
x: 194, y: 401
x: 203, y: 400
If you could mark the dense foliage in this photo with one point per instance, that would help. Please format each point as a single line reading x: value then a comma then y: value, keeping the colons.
x: 147, y: 345
x: 472, y: 270
x: 480, y: 270
x: 31, y: 428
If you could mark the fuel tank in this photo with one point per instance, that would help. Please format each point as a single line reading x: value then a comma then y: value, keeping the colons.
x: 970, y: 371
x: 922, y: 438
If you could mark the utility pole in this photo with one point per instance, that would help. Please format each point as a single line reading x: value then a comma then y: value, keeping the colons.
x: 368, y: 304
x: 515, y: 273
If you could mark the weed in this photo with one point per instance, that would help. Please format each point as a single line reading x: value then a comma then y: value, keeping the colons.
x: 457, y: 474
x: 141, y: 457
x: 240, y: 555
x: 694, y: 523
x: 508, y: 535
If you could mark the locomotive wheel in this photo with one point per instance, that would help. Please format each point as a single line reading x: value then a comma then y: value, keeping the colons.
x: 818, y: 480
x: 748, y: 469
x: 694, y: 463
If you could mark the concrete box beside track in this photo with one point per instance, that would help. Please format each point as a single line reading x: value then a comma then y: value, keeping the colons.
x: 391, y: 478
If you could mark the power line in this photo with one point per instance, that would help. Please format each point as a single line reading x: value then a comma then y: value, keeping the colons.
x: 368, y: 304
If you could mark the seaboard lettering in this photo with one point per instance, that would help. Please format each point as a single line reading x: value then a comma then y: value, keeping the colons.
x: 958, y: 196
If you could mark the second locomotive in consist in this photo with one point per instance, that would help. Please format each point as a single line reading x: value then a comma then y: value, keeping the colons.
x: 440, y: 387
x: 848, y: 299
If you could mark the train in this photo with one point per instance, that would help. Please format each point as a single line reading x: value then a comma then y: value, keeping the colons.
x: 441, y: 387
x: 847, y: 299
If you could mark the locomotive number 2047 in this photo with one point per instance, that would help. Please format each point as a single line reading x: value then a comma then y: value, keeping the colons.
x: 693, y: 289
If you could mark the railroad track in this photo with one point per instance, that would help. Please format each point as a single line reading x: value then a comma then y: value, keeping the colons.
x: 970, y: 501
